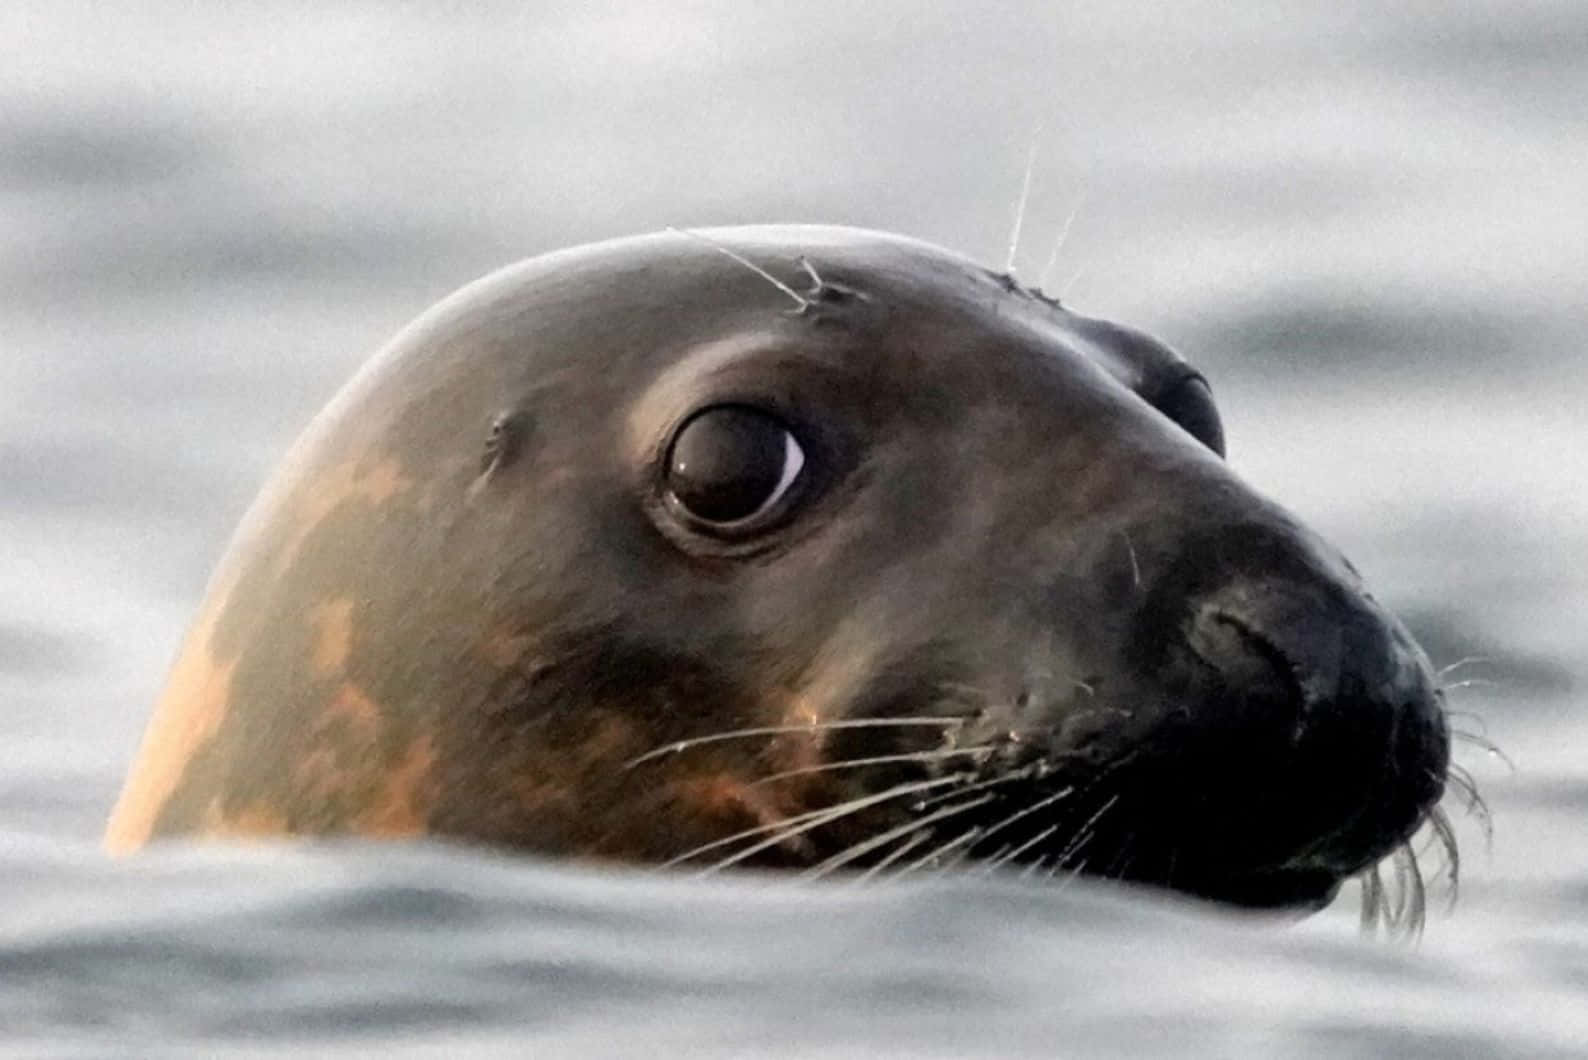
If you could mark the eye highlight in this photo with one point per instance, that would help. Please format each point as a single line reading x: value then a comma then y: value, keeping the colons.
x: 731, y: 463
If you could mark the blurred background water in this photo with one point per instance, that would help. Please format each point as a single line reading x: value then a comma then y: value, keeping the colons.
x: 1367, y: 222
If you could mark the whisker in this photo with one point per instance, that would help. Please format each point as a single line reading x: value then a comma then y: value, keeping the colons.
x: 1024, y: 773
x: 799, y: 299
x: 763, y: 829
x: 1058, y: 243
x: 1475, y: 805
x: 895, y: 854
x: 1035, y: 807
x: 1123, y: 860
x: 1471, y: 682
x: 1039, y: 865
x: 748, y: 833
x: 1135, y: 567
x: 1401, y: 909
x: 1411, y: 877
x: 780, y: 730
x: 1439, y: 824
x: 1395, y: 907
x: 1372, y: 899
x: 1466, y: 660
x: 858, y: 850
x: 1020, y: 206
x: 875, y: 760
x: 968, y: 836
x: 1071, y: 875
x: 817, y: 283
x: 1484, y: 744
x: 995, y: 855
x: 1022, y: 848
x: 966, y: 842
x: 826, y: 816
x: 1085, y: 834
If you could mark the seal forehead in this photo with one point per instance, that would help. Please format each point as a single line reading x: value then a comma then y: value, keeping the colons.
x: 778, y: 368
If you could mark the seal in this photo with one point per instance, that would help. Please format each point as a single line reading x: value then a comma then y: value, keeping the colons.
x: 797, y: 547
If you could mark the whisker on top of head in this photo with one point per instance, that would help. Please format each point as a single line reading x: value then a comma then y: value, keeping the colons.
x: 1058, y: 242
x: 1020, y: 205
x: 1069, y: 285
x: 799, y: 299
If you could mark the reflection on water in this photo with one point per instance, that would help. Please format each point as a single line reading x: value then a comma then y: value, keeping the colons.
x: 1366, y: 224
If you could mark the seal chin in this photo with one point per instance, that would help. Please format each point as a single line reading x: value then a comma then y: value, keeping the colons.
x: 1300, y: 891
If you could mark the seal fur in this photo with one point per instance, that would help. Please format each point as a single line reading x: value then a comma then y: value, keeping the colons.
x: 1015, y: 609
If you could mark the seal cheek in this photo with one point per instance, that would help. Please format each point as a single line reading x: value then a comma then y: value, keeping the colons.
x: 333, y: 624
x: 400, y: 804
x: 192, y: 710
x: 373, y: 481
x: 725, y: 805
x: 255, y: 820
x: 341, y: 741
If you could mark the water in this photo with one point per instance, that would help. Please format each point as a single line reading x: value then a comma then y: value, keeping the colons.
x: 1367, y: 225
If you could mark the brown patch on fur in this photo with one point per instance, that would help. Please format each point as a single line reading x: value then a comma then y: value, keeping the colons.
x: 551, y: 790
x: 504, y: 648
x: 188, y: 715
x: 254, y: 821
x: 400, y: 805
x: 333, y: 636
x: 344, y: 737
x: 354, y: 710
x: 375, y: 481
x: 726, y: 796
x: 799, y: 750
x: 614, y: 740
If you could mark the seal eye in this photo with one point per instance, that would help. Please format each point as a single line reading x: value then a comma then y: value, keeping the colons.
x: 1189, y: 402
x: 731, y: 462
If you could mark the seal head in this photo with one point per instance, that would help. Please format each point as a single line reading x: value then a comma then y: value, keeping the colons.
x: 858, y: 557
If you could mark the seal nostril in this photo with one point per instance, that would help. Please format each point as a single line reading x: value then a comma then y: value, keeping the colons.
x: 1247, y: 661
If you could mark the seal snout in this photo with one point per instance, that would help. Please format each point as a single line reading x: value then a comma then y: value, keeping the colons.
x: 1332, y: 744
x: 1272, y: 641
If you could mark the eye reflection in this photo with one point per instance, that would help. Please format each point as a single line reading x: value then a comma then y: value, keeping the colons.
x: 729, y: 463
